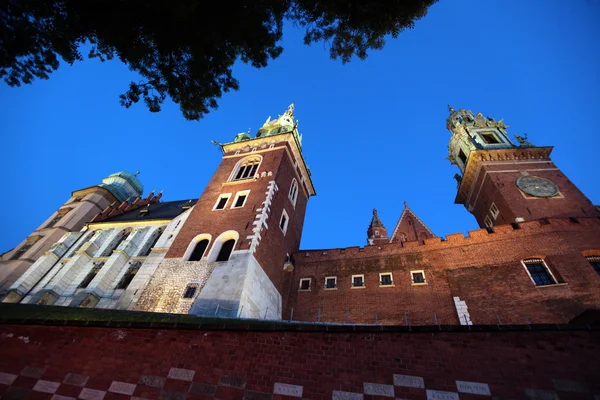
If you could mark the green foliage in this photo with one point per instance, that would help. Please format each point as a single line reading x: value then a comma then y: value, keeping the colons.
x: 185, y: 49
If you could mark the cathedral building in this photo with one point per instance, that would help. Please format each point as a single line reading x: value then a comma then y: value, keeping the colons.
x: 234, y: 252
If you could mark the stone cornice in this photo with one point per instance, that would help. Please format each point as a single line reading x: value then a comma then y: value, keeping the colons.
x: 477, y: 157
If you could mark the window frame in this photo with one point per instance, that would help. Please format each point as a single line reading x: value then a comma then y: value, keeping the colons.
x: 302, y: 280
x: 334, y: 283
x: 534, y: 260
x: 286, y: 223
x: 381, y: 275
x: 364, y: 284
x: 412, y: 277
x: 237, y: 196
x: 494, y: 211
x: 226, y: 196
x: 255, y: 159
x: 594, y: 260
x: 189, y: 286
x: 487, y: 221
x: 293, y: 192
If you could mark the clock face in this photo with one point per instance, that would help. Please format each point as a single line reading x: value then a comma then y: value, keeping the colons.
x: 536, y: 186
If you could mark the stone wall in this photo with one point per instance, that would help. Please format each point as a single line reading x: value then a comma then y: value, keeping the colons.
x: 68, y: 362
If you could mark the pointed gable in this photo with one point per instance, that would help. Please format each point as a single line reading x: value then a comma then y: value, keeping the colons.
x: 410, y: 227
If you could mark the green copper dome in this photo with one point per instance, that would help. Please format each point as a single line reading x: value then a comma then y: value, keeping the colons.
x: 123, y: 185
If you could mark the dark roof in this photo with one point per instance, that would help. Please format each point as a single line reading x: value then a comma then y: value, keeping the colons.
x: 162, y: 210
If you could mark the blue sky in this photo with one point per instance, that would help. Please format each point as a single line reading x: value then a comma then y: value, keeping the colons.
x: 374, y: 130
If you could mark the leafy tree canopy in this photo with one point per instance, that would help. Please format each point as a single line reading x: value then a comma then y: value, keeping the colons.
x: 185, y: 49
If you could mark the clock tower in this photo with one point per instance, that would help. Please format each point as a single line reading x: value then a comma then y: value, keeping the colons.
x: 501, y: 182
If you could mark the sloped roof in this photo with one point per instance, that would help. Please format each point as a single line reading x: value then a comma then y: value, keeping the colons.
x: 161, y: 210
x: 410, y: 225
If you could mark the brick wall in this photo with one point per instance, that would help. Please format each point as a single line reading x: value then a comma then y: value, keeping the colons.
x: 484, y: 270
x: 38, y: 362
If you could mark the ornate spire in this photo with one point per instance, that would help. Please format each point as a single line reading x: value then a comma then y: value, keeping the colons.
x: 375, y: 221
x: 290, y: 111
x: 376, y: 234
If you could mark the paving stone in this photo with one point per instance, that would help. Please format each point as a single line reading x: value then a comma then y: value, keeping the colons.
x: 181, y: 374
x: 536, y: 394
x: 233, y: 381
x: 60, y: 397
x: 171, y: 395
x: 566, y: 385
x: 340, y: 395
x: 16, y: 393
x: 252, y: 395
x: 203, y: 389
x: 91, y: 394
x: 152, y: 381
x: 409, y: 381
x: 46, y: 386
x: 441, y: 395
x: 122, y: 388
x: 287, y: 389
x: 473, y: 388
x: 378, y: 389
x: 32, y: 372
x: 7, y: 379
x: 76, y: 379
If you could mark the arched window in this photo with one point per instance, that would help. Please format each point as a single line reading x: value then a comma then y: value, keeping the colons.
x: 152, y: 243
x: 293, y: 194
x: 199, y: 250
x: 121, y: 237
x: 223, y: 246
x: 226, y: 250
x: 246, y: 168
x: 197, y: 247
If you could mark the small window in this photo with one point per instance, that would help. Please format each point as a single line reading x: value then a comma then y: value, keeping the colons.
x: 538, y: 271
x: 226, y: 250
x: 331, y: 282
x: 358, y: 281
x: 190, y: 291
x: 293, y: 194
x: 418, y: 277
x: 222, y: 201
x: 283, y: 222
x: 59, y: 214
x: 386, y: 279
x: 494, y: 211
x: 595, y: 262
x: 377, y: 233
x: 462, y: 157
x: 488, y: 221
x: 240, y: 199
x: 246, y: 169
x: 199, y: 250
x: 304, y: 284
x: 90, y: 276
x: 489, y: 138
x: 127, y: 278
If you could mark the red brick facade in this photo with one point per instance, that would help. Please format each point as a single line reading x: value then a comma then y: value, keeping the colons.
x: 277, y: 165
x: 39, y: 362
x: 484, y: 270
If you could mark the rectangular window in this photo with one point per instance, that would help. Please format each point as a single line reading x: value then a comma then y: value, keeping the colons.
x: 283, y: 222
x: 127, y: 278
x: 489, y: 138
x: 90, y: 276
x: 462, y: 157
x: 190, y: 291
x: 595, y: 263
x: 358, y: 281
x: 494, y: 211
x: 488, y: 221
x: 222, y: 201
x: 386, y: 279
x: 304, y: 284
x: 331, y: 282
x: 418, y: 277
x: 538, y: 271
x: 240, y: 199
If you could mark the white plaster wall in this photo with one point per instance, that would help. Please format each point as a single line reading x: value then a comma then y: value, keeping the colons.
x: 238, y: 287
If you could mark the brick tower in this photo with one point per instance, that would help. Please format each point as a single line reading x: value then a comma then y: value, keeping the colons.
x: 504, y: 183
x: 246, y: 224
